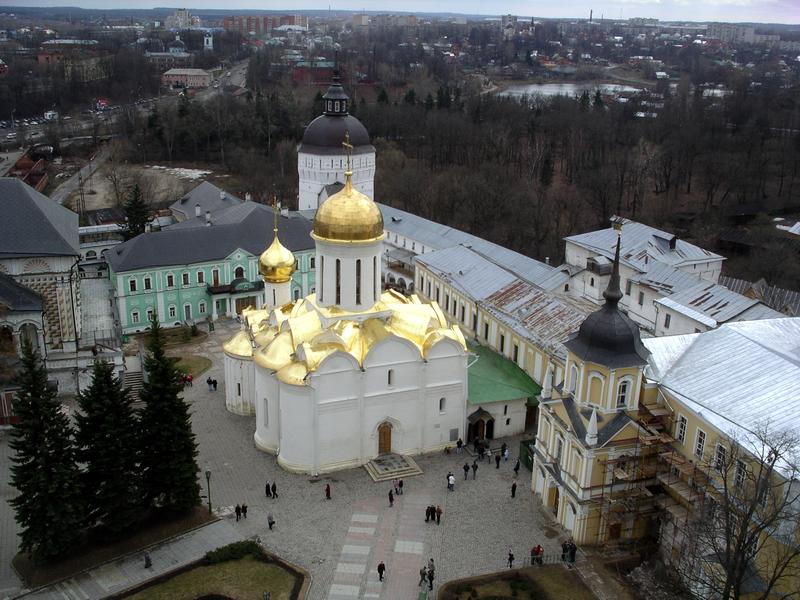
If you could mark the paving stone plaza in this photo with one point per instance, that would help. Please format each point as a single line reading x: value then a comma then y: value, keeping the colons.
x: 341, y: 541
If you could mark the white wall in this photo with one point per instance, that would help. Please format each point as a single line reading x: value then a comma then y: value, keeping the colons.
x: 267, y: 395
x: 239, y: 385
x: 316, y: 171
x: 348, y: 254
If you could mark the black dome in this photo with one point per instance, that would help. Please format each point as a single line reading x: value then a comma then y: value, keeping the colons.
x: 329, y: 131
x: 608, y: 336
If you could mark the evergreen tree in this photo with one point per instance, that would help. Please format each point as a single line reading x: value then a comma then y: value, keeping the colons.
x: 410, y: 97
x: 49, y: 507
x: 168, y: 448
x: 136, y: 213
x: 107, y: 438
x: 383, y: 97
x: 428, y: 102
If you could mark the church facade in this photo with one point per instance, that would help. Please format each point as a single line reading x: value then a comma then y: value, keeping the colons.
x: 348, y: 372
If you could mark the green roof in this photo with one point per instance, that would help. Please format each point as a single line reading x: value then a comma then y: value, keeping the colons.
x: 494, y: 378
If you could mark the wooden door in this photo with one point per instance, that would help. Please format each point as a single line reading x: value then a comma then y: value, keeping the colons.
x: 385, y: 439
x: 480, y: 430
x: 614, y: 531
x: 242, y: 303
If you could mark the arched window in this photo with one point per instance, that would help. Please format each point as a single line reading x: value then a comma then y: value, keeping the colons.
x: 91, y: 255
x: 442, y: 405
x: 623, y: 391
x: 239, y: 273
x: 338, y: 281
x: 573, y: 379
x: 358, y: 281
x: 390, y: 377
x: 28, y: 333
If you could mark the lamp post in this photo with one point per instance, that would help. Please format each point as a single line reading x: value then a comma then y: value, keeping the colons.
x: 208, y: 489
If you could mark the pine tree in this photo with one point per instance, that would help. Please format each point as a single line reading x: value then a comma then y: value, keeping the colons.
x: 168, y: 448
x: 107, y: 438
x: 49, y: 507
x: 136, y: 213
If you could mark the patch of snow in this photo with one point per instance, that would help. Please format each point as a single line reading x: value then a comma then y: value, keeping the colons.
x: 181, y: 173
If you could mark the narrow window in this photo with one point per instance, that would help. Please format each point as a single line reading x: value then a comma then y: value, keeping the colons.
x: 641, y: 298
x: 239, y: 272
x: 720, y: 456
x: 622, y: 393
x: 559, y: 449
x: 628, y: 285
x: 135, y: 316
x: 358, y: 281
x: 185, y: 279
x: 132, y: 285
x: 170, y: 281
x: 474, y: 321
x: 680, y: 432
x: 187, y: 311
x: 149, y: 314
x: 428, y: 289
x: 502, y: 343
x: 202, y: 308
x: 740, y: 473
x: 338, y: 281
x: 505, y: 410
x: 296, y: 293
x: 463, y: 314
x: 321, y: 277
x: 515, y: 354
x: 390, y: 377
x: 148, y: 283
x: 442, y: 402
x: 437, y: 294
x: 447, y: 302
x: 700, y: 443
x: 312, y: 262
x: 214, y: 276
x: 667, y: 319
x: 591, y: 281
x: 238, y: 389
x: 172, y: 311
x: 573, y: 379
x: 201, y: 277
x: 486, y: 331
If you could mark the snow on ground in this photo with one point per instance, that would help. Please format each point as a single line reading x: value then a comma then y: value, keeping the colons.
x: 182, y: 173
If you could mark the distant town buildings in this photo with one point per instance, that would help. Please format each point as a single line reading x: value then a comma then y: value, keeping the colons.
x: 262, y: 25
x: 739, y: 34
x: 180, y: 19
x: 186, y: 78
x: 175, y: 56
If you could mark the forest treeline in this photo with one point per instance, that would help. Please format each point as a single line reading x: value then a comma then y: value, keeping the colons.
x: 524, y: 172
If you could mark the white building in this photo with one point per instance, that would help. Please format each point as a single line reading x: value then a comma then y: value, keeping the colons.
x: 321, y: 157
x: 348, y: 372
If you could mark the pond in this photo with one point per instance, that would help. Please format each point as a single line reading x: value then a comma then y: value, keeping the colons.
x: 566, y: 89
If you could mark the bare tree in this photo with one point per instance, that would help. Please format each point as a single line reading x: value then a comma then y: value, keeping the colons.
x: 744, y: 539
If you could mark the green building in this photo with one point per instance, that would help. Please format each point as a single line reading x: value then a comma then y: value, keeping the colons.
x: 205, y: 267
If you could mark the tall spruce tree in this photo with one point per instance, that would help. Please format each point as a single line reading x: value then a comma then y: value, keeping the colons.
x: 136, y: 213
x: 49, y: 508
x: 168, y: 448
x: 107, y: 438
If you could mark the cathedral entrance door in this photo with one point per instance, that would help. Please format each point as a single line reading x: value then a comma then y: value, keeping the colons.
x: 385, y: 438
x: 480, y: 430
x: 242, y: 303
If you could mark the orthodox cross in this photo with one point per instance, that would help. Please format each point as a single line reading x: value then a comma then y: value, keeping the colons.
x: 348, y: 147
x: 274, y: 213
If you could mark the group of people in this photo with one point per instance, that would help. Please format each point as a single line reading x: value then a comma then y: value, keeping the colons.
x: 433, y: 513
x: 271, y: 490
x: 427, y: 573
x: 212, y: 384
x: 241, y: 511
x: 398, y: 487
x: 568, y: 550
x: 451, y: 482
x: 187, y: 379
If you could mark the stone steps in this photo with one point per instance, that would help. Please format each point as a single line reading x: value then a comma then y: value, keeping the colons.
x: 407, y: 467
x: 133, y: 381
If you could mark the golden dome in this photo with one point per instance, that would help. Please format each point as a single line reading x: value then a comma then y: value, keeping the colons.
x: 348, y: 216
x: 276, y: 263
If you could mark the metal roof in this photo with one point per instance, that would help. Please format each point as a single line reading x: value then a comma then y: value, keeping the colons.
x: 17, y: 297
x: 467, y: 271
x: 780, y: 299
x: 494, y: 378
x: 641, y: 245
x: 707, y: 302
x: 208, y: 196
x: 738, y: 377
x: 667, y: 280
x: 33, y: 224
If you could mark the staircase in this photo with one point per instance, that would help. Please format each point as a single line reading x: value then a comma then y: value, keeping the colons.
x: 392, y: 466
x: 132, y: 381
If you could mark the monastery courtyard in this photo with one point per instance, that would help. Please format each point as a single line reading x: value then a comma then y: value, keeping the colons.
x: 340, y: 542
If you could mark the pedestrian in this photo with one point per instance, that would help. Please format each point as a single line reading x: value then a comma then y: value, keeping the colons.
x: 506, y: 454
x: 538, y: 553
x: 423, y: 575
x: 497, y: 460
x: 514, y: 490
x: 516, y: 468
x: 190, y: 380
x: 270, y: 520
x: 238, y: 511
x: 208, y: 383
x: 474, y: 468
x: 268, y: 490
x: 214, y: 384
x: 381, y: 570
x: 431, y: 566
x: 438, y: 514
x: 573, y: 549
x: 274, y: 487
x: 427, y: 513
x: 394, y: 485
x: 147, y: 561
x: 510, y: 559
x: 452, y: 482
x: 503, y: 448
x: 466, y: 470
x: 327, y: 491
x: 430, y: 579
x: 459, y: 444
x: 564, y: 551
x: 488, y: 455
x: 244, y: 510
x: 400, y: 486
x: 391, y: 499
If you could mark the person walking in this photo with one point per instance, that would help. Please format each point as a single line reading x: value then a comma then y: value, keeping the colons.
x: 381, y: 570
x: 488, y: 455
x: 430, y: 579
x: 466, y: 471
x: 427, y: 513
x: 431, y: 566
x: 564, y: 550
x: 438, y: 514
x: 208, y: 383
x: 506, y: 454
x: 459, y: 445
x: 514, y: 490
x: 190, y: 379
x: 268, y: 490
x: 452, y: 481
x: 147, y: 560
x: 474, y: 468
x: 270, y: 520
x: 400, y: 486
x: 214, y: 384
x: 394, y: 485
x: 503, y: 448
x: 516, y: 468
x: 238, y: 511
x: 538, y: 554
x: 391, y: 499
x: 244, y: 510
x: 510, y: 559
x: 497, y: 460
x: 327, y: 491
x: 423, y: 576
x: 573, y: 549
x: 274, y: 488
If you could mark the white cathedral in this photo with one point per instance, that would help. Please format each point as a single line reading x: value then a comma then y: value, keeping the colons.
x: 349, y: 372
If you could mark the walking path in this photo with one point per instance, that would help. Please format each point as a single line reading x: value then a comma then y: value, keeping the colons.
x: 129, y: 571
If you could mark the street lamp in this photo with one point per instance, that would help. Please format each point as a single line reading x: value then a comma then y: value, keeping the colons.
x: 208, y: 489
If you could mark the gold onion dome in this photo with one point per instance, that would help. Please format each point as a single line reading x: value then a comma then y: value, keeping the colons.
x: 348, y: 216
x: 276, y: 263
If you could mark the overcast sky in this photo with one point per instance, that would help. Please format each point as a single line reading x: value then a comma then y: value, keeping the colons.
x: 768, y: 11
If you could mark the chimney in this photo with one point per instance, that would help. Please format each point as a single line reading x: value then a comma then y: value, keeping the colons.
x: 673, y: 241
x: 148, y: 227
x: 208, y: 218
x: 547, y: 387
x: 222, y: 194
x: 197, y: 212
x: 547, y: 260
x: 248, y: 196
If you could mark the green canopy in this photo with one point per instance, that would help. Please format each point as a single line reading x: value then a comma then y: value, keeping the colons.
x: 494, y: 378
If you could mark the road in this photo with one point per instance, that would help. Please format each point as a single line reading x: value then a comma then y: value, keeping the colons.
x: 63, y: 191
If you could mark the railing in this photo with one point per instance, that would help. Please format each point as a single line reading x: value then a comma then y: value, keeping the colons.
x: 549, y: 559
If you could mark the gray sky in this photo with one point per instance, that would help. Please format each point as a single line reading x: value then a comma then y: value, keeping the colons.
x: 771, y: 11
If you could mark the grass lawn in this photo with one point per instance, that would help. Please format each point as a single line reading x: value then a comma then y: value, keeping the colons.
x: 93, y: 553
x: 176, y: 336
x: 551, y: 582
x: 196, y: 365
x: 240, y: 579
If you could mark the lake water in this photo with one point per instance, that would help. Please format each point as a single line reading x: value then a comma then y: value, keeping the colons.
x: 566, y: 89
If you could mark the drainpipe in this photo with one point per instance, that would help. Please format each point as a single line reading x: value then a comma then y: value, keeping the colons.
x: 75, y: 324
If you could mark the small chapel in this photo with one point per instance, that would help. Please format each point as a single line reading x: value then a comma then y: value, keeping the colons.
x: 348, y: 372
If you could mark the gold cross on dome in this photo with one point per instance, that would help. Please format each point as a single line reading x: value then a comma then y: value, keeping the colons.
x: 348, y: 147
x: 274, y: 213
